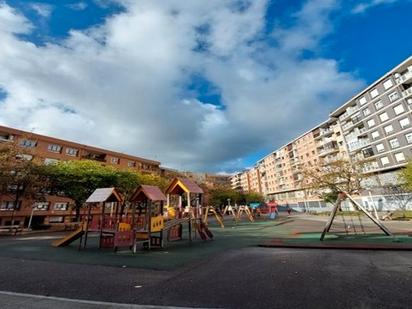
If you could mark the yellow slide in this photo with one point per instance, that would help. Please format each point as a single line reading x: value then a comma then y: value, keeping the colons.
x: 69, y: 238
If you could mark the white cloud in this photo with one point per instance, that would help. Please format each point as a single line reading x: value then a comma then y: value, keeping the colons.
x: 121, y: 85
x: 79, y: 6
x: 366, y: 5
x: 42, y: 9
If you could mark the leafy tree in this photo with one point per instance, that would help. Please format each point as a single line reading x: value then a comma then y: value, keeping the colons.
x: 328, y: 179
x: 21, y: 176
x: 78, y: 179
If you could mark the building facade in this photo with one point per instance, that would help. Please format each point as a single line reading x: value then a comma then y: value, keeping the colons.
x: 374, y: 126
x: 56, y: 209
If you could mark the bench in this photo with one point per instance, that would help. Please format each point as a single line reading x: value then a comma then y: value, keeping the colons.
x: 11, y: 229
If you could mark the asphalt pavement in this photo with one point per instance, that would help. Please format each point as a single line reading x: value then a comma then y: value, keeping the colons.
x: 242, y: 276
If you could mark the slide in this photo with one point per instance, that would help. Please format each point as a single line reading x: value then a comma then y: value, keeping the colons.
x: 69, y: 238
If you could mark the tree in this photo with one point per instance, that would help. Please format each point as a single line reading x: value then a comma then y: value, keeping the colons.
x: 21, y: 176
x: 78, y: 179
x: 328, y: 179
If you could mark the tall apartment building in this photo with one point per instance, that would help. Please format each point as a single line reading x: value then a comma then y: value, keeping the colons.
x: 48, y: 149
x: 375, y: 125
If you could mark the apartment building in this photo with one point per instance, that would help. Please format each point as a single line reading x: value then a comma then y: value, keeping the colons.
x: 374, y: 125
x: 56, y: 209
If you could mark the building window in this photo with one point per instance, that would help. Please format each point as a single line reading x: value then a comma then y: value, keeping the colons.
x: 384, y: 116
x: 404, y: 122
x: 400, y: 157
x: 72, y: 152
x: 371, y: 123
x: 388, y: 84
x: 394, y: 143
x: 384, y: 160
x: 374, y: 93
x: 9, y: 205
x: 362, y: 101
x: 368, y: 152
x: 379, y: 104
x: 380, y: 148
x: 399, y: 109
x: 115, y: 160
x: 131, y: 164
x: 408, y: 137
x: 375, y: 134
x: 54, y: 148
x: 49, y: 161
x: 366, y: 112
x: 393, y: 96
x: 28, y: 143
x: 388, y: 129
x: 55, y: 219
x: 61, y: 206
x: 41, y: 205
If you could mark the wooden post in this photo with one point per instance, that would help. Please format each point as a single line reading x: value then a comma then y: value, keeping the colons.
x: 149, y: 231
x: 87, y: 225
x: 101, y: 224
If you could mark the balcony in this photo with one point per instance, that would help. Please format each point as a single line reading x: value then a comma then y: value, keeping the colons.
x: 368, y: 168
x: 407, y: 92
x: 329, y: 148
x: 404, y: 78
x: 101, y: 157
x: 358, y: 144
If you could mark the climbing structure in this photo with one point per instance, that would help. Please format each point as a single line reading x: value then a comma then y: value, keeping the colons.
x: 350, y: 224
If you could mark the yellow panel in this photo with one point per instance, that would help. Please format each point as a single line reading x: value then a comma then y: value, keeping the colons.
x: 124, y: 227
x: 157, y: 224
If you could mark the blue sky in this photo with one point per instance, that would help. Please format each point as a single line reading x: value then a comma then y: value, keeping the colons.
x: 210, y: 86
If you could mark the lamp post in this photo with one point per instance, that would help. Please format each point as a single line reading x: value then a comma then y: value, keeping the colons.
x: 31, y: 218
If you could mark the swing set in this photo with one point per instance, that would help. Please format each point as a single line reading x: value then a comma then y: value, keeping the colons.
x: 351, y: 226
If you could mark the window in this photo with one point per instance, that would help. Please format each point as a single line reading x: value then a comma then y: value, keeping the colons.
x: 379, y: 104
x: 49, y: 161
x: 131, y: 164
x: 394, y: 143
x: 383, y: 117
x: 71, y: 152
x: 366, y: 112
x: 404, y: 122
x: 54, y: 148
x: 400, y: 157
x: 393, y: 96
x: 384, y: 160
x: 380, y: 147
x: 388, y: 84
x: 408, y: 137
x: 55, y: 219
x: 371, y: 123
x: 375, y: 134
x: 41, y: 205
x: 388, y: 129
x: 28, y: 143
x: 374, y: 93
x: 115, y: 160
x: 399, y: 109
x: 61, y: 206
x: 9, y: 205
x: 368, y: 152
x: 362, y: 101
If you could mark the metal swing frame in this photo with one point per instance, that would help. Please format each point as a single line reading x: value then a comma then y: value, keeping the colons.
x: 341, y: 197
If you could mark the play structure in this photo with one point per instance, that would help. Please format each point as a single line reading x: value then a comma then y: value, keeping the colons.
x: 350, y: 225
x: 184, y: 205
x: 146, y: 221
x: 243, y: 210
x: 211, y: 209
x: 113, y: 228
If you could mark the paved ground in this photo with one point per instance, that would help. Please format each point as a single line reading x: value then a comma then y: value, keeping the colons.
x: 230, y: 272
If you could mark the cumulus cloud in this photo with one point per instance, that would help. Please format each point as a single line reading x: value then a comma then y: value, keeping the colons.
x: 42, y: 9
x: 78, y: 6
x: 123, y: 84
x: 366, y: 5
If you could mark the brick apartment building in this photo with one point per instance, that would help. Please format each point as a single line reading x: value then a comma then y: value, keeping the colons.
x: 56, y: 209
x: 375, y: 124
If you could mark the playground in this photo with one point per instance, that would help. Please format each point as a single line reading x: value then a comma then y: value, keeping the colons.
x: 231, y: 271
